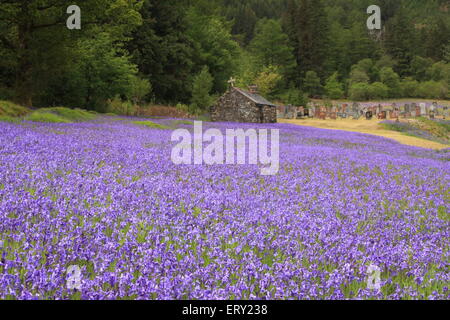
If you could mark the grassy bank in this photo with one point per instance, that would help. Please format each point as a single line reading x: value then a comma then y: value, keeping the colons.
x: 433, y: 130
x: 11, y: 112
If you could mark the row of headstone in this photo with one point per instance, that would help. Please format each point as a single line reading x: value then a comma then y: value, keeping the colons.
x: 356, y: 111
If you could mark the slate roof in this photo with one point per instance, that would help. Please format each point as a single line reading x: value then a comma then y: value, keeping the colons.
x: 256, y: 98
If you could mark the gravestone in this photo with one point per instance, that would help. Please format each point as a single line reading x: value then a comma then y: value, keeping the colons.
x: 306, y: 112
x: 433, y: 110
x: 423, y: 109
x: 407, y: 112
x: 323, y: 113
x: 417, y: 111
x: 369, y: 115
x: 407, y: 108
x: 312, y: 111
x: 300, y: 112
x: 382, y: 115
x: 356, y: 115
x: 413, y: 109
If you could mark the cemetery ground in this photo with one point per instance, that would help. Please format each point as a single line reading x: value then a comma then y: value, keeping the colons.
x: 100, y: 193
x: 374, y: 127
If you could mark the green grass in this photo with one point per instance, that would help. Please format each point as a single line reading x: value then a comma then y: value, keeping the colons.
x: 70, y: 114
x: 186, y: 122
x: 12, y: 110
x: 61, y: 115
x: 433, y: 130
x: 46, y: 117
x: 9, y: 119
x: 153, y: 125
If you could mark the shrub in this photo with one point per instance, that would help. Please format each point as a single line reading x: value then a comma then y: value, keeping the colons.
x: 9, y: 109
x: 391, y: 80
x: 70, y: 114
x: 119, y: 107
x: 139, y: 89
x: 312, y: 84
x: 358, y: 76
x: 408, y: 87
x: 60, y: 115
x: 38, y: 116
x: 9, y: 119
x: 359, y: 91
x: 439, y: 71
x: 378, y: 90
x: 333, y: 88
x: 201, y: 89
x: 295, y: 97
x: 267, y: 82
x: 152, y: 125
x: 433, y: 90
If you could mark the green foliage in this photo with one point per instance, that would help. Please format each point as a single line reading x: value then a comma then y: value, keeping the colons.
x: 182, y: 107
x: 40, y: 54
x: 391, y: 80
x: 152, y: 125
x: 400, y: 41
x: 9, y: 119
x: 307, y: 27
x: 312, y: 84
x: 419, y: 67
x: 439, y: 71
x: 202, y: 85
x: 358, y: 76
x: 268, y: 81
x: 70, y: 114
x: 359, y: 91
x: 12, y: 110
x: 60, y: 115
x: 214, y: 46
x: 167, y: 42
x: 119, y: 107
x: 433, y: 90
x: 295, y: 97
x: 140, y: 88
x: 378, y: 90
x: 333, y: 88
x: 103, y: 72
x: 270, y: 47
x: 46, y: 117
x: 163, y: 51
x: 409, y: 87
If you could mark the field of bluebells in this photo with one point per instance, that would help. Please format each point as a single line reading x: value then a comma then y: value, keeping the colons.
x: 105, y: 196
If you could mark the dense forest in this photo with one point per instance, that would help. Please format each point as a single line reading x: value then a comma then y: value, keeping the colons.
x: 184, y: 51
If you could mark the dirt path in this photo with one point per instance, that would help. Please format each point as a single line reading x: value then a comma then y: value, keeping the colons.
x: 366, y: 126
